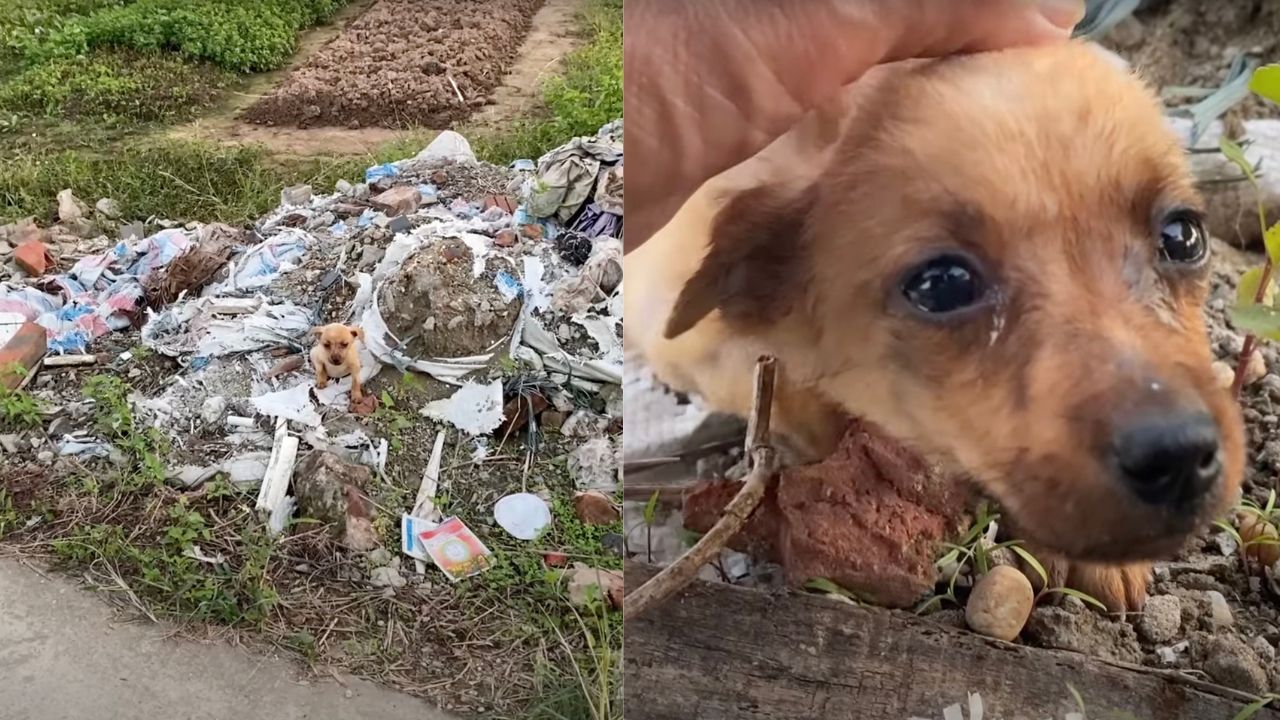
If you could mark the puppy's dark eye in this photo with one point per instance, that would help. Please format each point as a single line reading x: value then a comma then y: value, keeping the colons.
x: 1182, y: 239
x: 942, y: 285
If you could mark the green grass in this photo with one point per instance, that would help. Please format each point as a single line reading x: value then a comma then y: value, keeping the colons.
x: 140, y: 60
x: 179, y: 179
x: 585, y: 96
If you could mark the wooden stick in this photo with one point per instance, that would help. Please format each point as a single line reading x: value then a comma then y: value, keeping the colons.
x: 764, y: 467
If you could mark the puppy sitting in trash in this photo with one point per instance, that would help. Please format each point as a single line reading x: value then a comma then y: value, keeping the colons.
x: 335, y: 356
x: 997, y: 259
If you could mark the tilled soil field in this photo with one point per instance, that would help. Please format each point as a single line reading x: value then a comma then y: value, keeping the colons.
x: 404, y: 63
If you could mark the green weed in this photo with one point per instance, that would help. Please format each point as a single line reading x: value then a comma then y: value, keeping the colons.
x: 973, y: 552
x: 587, y: 95
x: 113, y: 86
x: 173, y: 179
x: 164, y: 572
x: 1256, y: 311
x: 19, y: 410
x: 144, y: 448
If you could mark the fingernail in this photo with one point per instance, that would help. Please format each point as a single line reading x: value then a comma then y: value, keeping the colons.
x: 1062, y: 13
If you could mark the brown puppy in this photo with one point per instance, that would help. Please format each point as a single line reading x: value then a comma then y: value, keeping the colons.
x: 335, y: 355
x: 997, y: 258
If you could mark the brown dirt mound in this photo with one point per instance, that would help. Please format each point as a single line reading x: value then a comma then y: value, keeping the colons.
x: 394, y: 65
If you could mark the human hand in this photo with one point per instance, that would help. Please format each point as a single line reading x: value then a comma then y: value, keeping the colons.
x: 708, y: 83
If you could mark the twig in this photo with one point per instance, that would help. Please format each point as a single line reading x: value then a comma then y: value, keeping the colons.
x: 764, y: 467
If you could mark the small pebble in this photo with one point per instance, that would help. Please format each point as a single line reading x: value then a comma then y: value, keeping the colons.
x: 1161, y: 618
x: 1256, y: 369
x: 1224, y: 374
x: 1265, y: 651
x: 1000, y: 603
x: 1220, y: 616
x: 45, y: 457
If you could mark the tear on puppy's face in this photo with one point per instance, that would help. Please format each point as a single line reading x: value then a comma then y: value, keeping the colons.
x: 1002, y: 265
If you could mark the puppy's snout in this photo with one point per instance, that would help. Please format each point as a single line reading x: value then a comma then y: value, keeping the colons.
x: 1171, y: 461
x: 335, y: 359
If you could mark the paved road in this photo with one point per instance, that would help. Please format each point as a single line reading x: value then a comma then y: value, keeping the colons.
x: 64, y: 655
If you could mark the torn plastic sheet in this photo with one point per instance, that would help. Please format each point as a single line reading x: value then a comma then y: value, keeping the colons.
x: 448, y: 146
x: 83, y: 445
x: 602, y: 330
x: 355, y: 446
x: 280, y: 515
x: 571, y: 368
x: 246, y: 470
x: 291, y: 404
x: 474, y: 409
x: 263, y: 263
x: 377, y: 172
x: 537, y: 294
x: 98, y: 295
x: 567, y: 176
x: 212, y: 327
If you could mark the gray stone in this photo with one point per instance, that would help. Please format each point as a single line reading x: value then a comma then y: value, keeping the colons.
x: 1083, y: 632
x: 386, y: 577
x: 108, y: 208
x: 1161, y: 618
x: 1230, y: 662
x: 1219, y: 616
x: 13, y: 444
x: 60, y: 426
x: 331, y: 490
x: 296, y: 196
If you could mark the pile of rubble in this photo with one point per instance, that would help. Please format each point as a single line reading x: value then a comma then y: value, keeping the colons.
x: 503, y: 286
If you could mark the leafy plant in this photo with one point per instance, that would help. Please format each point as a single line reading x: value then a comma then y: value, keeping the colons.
x: 1255, y: 310
x: 1257, y: 535
x: 974, y: 553
x: 144, y: 447
x: 19, y: 410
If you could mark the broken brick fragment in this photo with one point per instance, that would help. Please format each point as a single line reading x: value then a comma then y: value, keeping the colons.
x: 22, y: 349
x: 502, y: 201
x: 870, y: 518
x: 33, y: 257
x: 595, y: 508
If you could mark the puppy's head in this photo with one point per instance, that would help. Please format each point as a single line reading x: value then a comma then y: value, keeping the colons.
x: 1003, y: 264
x: 336, y: 339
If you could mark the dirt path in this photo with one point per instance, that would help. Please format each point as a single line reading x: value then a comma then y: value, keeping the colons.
x: 67, y: 656
x: 552, y: 36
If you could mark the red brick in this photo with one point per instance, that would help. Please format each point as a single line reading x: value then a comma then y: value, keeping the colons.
x: 502, y: 201
x: 24, y: 349
x: 33, y: 257
x: 871, y: 518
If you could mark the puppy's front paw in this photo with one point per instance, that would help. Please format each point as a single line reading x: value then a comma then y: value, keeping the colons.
x: 1122, y: 588
x: 322, y: 383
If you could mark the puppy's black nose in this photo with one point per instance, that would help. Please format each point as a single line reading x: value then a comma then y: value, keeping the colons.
x: 1171, y: 461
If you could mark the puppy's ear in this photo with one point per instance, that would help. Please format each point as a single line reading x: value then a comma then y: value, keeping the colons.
x: 356, y: 332
x: 317, y: 331
x: 757, y: 262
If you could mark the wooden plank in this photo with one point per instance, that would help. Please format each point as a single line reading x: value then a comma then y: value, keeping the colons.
x: 718, y: 652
